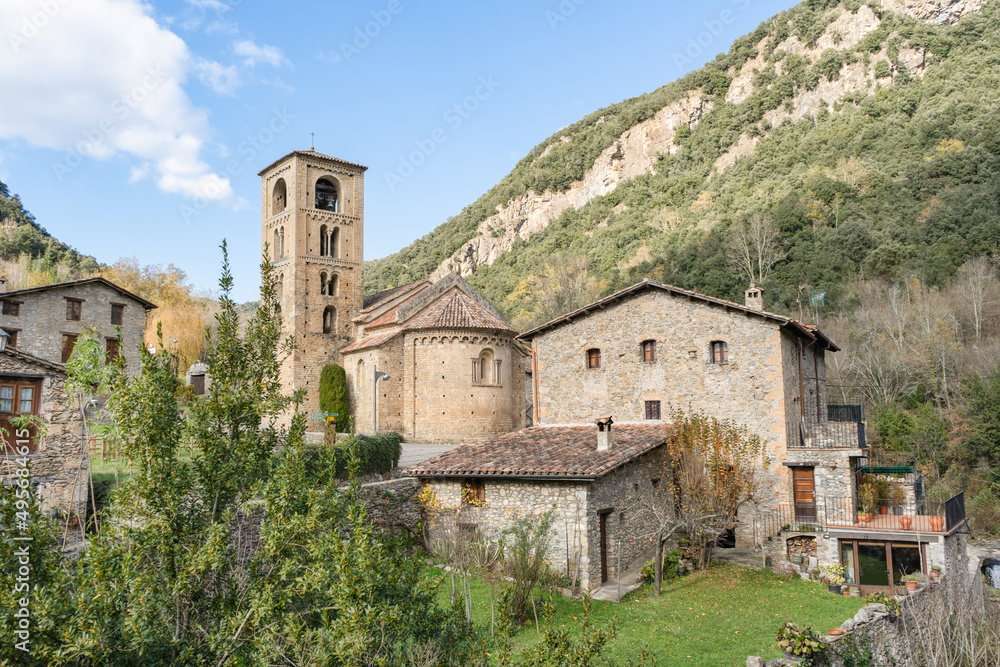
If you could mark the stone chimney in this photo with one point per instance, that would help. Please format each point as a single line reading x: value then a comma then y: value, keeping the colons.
x: 604, y: 433
x: 3, y: 284
x: 754, y: 297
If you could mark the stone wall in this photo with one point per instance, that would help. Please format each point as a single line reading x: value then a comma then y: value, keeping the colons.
x: 393, y: 504
x: 506, y: 500
x: 41, y: 320
x: 57, y: 466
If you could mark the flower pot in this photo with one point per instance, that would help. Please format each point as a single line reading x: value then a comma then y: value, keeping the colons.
x: 833, y: 589
x: 934, y: 575
x: 869, y: 516
x: 911, y: 585
x: 905, y: 522
x: 797, y: 559
x: 883, y: 510
x: 855, y: 592
x: 937, y: 523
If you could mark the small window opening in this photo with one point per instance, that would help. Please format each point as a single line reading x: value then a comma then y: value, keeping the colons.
x: 652, y: 409
x: 720, y: 352
x: 329, y: 319
x: 594, y: 358
x: 649, y: 350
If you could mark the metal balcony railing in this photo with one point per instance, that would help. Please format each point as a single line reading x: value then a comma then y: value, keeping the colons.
x: 925, y: 516
x: 827, y: 435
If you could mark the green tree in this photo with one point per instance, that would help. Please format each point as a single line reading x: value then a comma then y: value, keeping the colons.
x: 981, y: 445
x: 333, y: 394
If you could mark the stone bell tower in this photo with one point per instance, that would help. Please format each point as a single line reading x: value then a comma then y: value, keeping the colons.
x: 312, y: 227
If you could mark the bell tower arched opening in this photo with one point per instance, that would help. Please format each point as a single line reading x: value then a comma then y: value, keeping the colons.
x: 279, y: 197
x: 327, y: 196
x: 329, y: 320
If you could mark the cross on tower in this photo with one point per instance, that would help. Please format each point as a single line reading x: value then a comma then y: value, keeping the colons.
x: 312, y: 142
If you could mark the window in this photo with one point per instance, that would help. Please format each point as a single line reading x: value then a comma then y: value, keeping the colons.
x: 652, y: 409
x: 486, y: 368
x: 329, y: 320
x: 74, y: 309
x: 111, y: 348
x: 278, y: 197
x: 322, y: 283
x: 324, y: 241
x: 12, y: 341
x: 720, y: 352
x: 68, y: 341
x: 117, y: 313
x: 649, y: 350
x: 18, y: 397
x: 474, y: 492
x: 326, y: 195
x: 11, y: 308
x: 335, y: 242
x: 594, y: 358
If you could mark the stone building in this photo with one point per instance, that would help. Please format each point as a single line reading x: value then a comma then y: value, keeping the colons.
x: 30, y: 385
x: 455, y: 371
x: 596, y: 483
x: 650, y: 347
x: 46, y: 321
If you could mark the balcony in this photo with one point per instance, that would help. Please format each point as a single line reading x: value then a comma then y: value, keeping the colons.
x: 826, y: 435
x: 923, y: 517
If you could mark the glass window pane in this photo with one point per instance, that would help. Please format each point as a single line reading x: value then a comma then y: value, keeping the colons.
x: 6, y: 398
x: 905, y: 560
x: 27, y: 399
x: 847, y: 560
x: 872, y: 565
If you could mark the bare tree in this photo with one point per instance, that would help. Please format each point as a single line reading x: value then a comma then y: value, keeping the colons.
x: 563, y: 284
x: 754, y: 247
x: 708, y: 470
x: 978, y: 280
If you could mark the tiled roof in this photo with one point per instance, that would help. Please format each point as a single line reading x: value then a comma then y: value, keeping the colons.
x: 798, y: 328
x: 454, y: 310
x: 315, y: 154
x: 371, y: 341
x: 148, y: 305
x: 547, y: 451
x: 373, y: 300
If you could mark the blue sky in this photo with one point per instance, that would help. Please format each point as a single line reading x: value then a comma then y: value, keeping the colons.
x: 134, y: 129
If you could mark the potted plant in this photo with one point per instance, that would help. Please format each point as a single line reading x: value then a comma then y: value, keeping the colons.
x: 935, y: 572
x: 896, y: 496
x: 868, y: 494
x: 905, y: 522
x: 911, y: 580
x: 796, y: 642
x: 835, y: 573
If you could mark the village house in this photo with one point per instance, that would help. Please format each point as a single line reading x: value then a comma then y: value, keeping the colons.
x: 650, y: 348
x: 595, y: 479
x: 436, y: 362
x: 46, y: 321
x: 59, y: 460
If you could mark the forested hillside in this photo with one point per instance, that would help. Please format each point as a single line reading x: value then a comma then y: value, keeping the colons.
x: 896, y: 179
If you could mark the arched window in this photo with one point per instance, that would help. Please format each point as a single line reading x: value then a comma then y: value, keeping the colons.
x: 594, y: 358
x: 335, y: 242
x: 279, y: 288
x: 275, y: 250
x: 359, y: 379
x: 322, y: 283
x: 324, y: 240
x: 329, y: 319
x: 281, y: 242
x: 333, y: 289
x: 278, y: 197
x: 326, y: 195
x: 720, y: 352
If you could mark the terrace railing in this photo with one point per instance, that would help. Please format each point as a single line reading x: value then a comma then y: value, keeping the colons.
x: 827, y: 435
x: 954, y: 511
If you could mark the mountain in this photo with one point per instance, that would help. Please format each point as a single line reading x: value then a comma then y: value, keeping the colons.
x: 867, y: 135
x: 32, y: 255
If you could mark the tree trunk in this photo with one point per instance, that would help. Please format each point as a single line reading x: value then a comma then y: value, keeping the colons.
x: 658, y: 565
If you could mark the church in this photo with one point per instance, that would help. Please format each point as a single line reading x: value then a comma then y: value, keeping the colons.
x: 435, y: 362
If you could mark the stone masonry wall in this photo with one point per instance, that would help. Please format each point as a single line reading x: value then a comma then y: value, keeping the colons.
x: 506, y: 500
x: 57, y: 465
x: 41, y: 320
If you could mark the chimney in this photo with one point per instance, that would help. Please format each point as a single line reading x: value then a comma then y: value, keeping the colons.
x: 604, y: 433
x: 754, y: 297
x: 3, y: 284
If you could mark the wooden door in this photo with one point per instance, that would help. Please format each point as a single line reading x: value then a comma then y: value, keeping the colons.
x: 198, y: 383
x: 603, y: 516
x: 804, y: 486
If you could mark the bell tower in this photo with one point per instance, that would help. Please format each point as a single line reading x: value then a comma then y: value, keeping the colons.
x: 312, y: 227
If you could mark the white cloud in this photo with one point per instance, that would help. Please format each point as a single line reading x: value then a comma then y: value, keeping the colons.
x: 220, y: 78
x: 101, y: 78
x: 253, y: 53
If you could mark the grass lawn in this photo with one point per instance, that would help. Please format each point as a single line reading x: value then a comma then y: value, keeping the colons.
x: 718, y: 617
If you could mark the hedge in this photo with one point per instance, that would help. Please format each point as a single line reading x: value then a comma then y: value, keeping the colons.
x: 378, y: 455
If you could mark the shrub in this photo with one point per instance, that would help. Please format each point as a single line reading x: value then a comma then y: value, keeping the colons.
x: 376, y: 455
x: 984, y: 512
x: 803, y: 642
x: 526, y: 549
x: 333, y: 394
